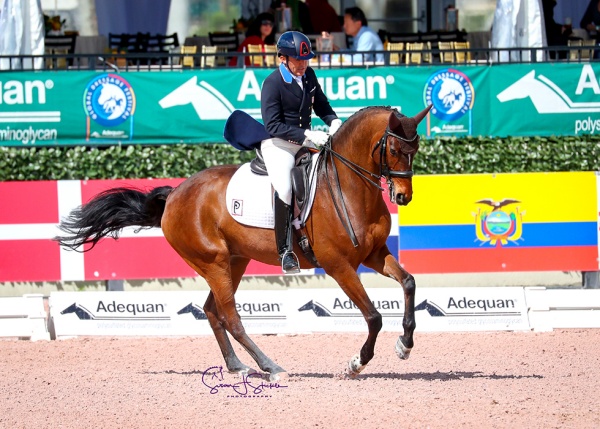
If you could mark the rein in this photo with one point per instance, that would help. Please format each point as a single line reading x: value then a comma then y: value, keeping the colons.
x: 384, y: 171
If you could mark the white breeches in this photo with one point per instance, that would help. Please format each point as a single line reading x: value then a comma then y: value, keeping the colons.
x: 279, y: 156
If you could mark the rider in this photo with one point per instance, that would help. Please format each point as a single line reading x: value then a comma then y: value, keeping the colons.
x: 288, y: 97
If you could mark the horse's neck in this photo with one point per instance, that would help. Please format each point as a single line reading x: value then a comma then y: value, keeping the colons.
x: 356, y: 147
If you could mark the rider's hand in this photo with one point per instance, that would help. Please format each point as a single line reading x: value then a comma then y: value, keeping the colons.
x: 335, y: 125
x: 319, y: 138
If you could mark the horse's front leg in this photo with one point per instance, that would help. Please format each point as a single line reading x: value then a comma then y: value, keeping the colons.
x: 385, y: 263
x: 351, y: 285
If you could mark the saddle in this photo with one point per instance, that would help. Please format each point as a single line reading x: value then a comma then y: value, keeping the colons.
x: 300, y: 193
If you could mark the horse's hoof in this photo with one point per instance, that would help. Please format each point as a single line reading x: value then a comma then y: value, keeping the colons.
x: 402, y: 351
x: 243, y: 371
x: 279, y: 376
x: 354, y: 366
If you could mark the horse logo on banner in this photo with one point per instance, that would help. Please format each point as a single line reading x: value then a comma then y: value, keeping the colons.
x: 498, y: 227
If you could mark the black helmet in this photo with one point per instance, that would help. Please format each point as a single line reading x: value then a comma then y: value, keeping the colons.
x: 296, y: 45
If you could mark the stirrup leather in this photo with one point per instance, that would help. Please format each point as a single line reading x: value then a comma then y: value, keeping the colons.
x: 283, y: 237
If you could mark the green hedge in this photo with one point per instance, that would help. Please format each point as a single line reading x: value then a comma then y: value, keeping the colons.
x: 436, y: 156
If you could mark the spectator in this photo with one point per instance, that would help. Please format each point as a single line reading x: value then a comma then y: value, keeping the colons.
x: 323, y: 17
x: 364, y: 38
x: 260, y: 32
x: 556, y: 34
x: 300, y: 15
x: 591, y: 19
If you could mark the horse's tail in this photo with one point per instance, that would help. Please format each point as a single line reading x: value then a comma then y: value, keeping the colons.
x: 110, y: 211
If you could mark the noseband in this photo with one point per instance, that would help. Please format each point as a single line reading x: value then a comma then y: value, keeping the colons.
x: 405, y: 147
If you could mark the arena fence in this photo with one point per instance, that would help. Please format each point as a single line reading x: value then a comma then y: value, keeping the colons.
x: 296, y: 311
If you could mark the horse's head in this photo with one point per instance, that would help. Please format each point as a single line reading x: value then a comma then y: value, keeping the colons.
x: 395, y: 153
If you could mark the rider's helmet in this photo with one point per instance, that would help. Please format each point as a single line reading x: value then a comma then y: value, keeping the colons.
x: 294, y: 44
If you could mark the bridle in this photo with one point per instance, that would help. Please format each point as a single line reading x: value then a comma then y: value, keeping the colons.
x: 384, y: 171
x: 406, y: 148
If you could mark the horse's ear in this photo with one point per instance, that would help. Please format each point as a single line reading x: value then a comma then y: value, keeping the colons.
x: 402, y: 125
x: 419, y: 116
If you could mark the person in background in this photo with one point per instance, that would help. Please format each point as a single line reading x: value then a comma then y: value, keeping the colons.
x: 289, y: 96
x: 556, y: 34
x: 300, y: 15
x: 364, y: 38
x: 260, y: 32
x: 323, y: 17
x: 591, y: 19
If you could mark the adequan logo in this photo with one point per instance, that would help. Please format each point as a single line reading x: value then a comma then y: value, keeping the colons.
x: 119, y: 311
x: 470, y: 307
x: 208, y: 102
x: 339, y: 305
x: 547, y: 97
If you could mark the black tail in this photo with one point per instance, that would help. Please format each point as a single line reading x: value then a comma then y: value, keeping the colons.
x: 110, y: 211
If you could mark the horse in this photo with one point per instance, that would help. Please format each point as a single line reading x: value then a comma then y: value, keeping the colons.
x: 375, y: 143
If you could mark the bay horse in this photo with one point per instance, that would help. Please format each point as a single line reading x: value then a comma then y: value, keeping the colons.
x: 374, y: 143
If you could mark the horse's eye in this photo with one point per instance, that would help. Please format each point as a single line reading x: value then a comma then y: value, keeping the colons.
x: 393, y: 151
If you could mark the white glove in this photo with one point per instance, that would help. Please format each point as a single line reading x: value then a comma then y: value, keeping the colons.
x: 335, y: 125
x: 317, y: 137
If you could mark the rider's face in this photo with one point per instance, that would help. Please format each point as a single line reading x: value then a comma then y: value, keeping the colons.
x: 297, y: 67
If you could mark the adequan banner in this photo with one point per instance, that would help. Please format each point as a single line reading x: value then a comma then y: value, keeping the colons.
x: 191, y: 106
x: 172, y: 313
x: 159, y: 313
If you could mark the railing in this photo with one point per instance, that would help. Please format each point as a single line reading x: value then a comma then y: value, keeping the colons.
x: 172, y: 61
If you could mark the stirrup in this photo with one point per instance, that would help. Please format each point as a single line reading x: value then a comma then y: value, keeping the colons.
x: 293, y: 265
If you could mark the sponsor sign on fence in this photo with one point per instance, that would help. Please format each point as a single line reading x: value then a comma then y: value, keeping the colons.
x: 191, y: 106
x: 159, y: 313
x: 287, y: 311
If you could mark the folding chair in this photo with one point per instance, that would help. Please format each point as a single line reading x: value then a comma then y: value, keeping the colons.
x: 396, y: 55
x: 188, y: 60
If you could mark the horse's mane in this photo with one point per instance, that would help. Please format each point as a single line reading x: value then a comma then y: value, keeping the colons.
x: 352, y: 120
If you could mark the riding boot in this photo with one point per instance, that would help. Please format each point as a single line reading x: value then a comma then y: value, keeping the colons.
x: 283, y: 237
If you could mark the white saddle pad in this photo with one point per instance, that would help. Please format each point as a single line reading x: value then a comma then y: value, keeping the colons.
x: 249, y: 198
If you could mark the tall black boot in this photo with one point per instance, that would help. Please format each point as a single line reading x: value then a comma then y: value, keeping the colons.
x: 283, y: 237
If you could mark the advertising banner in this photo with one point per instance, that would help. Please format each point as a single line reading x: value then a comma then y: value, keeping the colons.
x: 172, y: 313
x: 191, y: 106
x: 160, y: 313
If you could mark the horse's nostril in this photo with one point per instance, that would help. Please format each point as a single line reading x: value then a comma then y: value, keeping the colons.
x: 400, y: 199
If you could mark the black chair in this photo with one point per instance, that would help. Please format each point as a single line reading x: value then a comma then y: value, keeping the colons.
x: 225, y: 42
x: 62, y: 45
x: 129, y: 44
x: 403, y: 37
x: 163, y: 42
x: 230, y: 41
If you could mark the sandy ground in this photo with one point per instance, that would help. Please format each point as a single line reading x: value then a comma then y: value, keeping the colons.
x: 466, y: 380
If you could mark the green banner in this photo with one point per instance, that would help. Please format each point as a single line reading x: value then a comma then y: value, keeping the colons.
x: 191, y: 106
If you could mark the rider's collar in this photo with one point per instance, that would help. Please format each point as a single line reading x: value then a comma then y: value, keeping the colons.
x: 285, y: 73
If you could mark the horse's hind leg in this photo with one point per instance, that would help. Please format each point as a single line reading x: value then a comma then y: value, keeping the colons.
x: 238, y: 267
x: 385, y: 263
x: 218, y: 274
